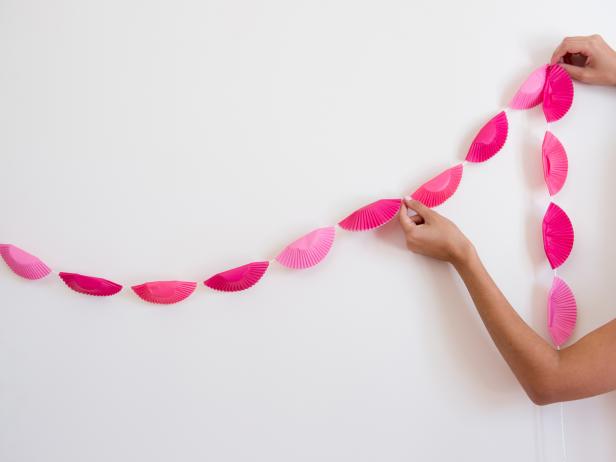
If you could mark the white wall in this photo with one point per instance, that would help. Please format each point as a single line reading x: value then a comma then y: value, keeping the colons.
x: 157, y: 140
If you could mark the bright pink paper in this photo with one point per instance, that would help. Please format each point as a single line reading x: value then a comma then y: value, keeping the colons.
x: 530, y: 94
x: 22, y: 263
x: 557, y: 94
x: 440, y: 188
x: 562, y: 312
x: 90, y: 285
x: 308, y: 250
x: 165, y: 292
x: 557, y: 235
x: 490, y: 139
x: 555, y: 163
x: 372, y: 215
x: 240, y: 278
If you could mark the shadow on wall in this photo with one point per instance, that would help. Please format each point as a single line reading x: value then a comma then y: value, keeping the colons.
x: 532, y: 172
x: 478, y: 364
x: 481, y: 374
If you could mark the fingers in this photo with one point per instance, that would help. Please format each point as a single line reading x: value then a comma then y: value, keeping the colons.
x: 424, y: 212
x: 572, y: 45
x: 582, y: 74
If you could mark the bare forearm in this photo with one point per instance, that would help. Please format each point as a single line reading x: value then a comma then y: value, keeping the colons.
x: 529, y: 356
x: 584, y: 369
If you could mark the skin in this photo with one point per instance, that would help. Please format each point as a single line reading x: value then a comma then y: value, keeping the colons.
x: 583, y: 369
x: 600, y: 66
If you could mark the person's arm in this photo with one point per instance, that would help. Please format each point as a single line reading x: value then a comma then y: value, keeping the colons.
x: 587, y: 59
x: 586, y: 368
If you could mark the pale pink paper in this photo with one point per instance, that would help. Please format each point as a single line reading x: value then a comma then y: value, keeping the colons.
x: 308, y: 250
x: 22, y: 263
x: 555, y: 163
x: 562, y: 312
x: 530, y: 94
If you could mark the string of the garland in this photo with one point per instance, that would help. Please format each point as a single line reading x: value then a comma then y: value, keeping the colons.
x: 558, y: 235
x: 562, y: 307
x: 548, y: 85
x: 563, y: 441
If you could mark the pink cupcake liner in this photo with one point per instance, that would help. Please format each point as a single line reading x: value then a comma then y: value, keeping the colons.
x: 530, y: 93
x: 557, y: 94
x: 164, y: 292
x: 240, y: 278
x: 22, y: 263
x: 490, y: 139
x: 308, y: 250
x: 90, y: 285
x: 558, y: 235
x: 371, y: 216
x: 440, y: 188
x: 555, y: 163
x: 562, y: 312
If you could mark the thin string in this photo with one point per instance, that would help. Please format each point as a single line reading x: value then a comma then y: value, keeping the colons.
x: 562, y: 427
x: 561, y: 406
x: 562, y: 431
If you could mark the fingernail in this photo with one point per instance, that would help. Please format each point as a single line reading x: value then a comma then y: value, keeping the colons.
x: 407, y: 198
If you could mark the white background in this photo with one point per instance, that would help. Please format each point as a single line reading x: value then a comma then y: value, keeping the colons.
x: 149, y: 140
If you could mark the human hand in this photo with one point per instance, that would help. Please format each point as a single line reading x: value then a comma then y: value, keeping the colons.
x: 599, y: 66
x: 433, y: 235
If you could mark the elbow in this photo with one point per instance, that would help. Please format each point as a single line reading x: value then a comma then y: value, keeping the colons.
x: 544, y: 385
x: 542, y: 393
x: 541, y: 398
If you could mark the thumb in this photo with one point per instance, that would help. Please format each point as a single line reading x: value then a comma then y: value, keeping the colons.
x: 577, y: 72
x: 405, y: 221
x: 421, y: 210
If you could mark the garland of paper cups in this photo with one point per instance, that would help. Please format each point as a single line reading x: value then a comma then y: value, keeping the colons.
x: 550, y: 86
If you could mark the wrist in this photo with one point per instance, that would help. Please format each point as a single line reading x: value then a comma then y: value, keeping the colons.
x: 464, y: 255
